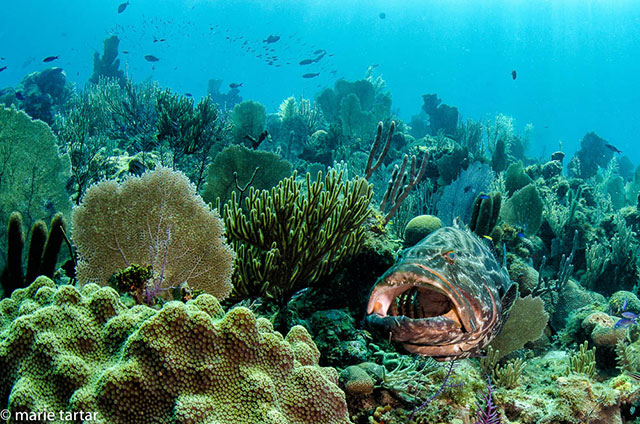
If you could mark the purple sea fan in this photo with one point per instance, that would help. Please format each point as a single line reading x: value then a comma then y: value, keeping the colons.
x: 489, y: 413
x: 458, y: 197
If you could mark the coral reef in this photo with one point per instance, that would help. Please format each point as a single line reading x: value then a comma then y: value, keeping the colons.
x: 44, y: 93
x: 458, y: 197
x: 148, y: 342
x: 227, y: 100
x: 526, y: 323
x: 523, y: 210
x: 355, y: 105
x: 108, y: 65
x: 191, y: 131
x: 442, y: 117
x: 68, y: 350
x: 593, y: 154
x: 485, y: 214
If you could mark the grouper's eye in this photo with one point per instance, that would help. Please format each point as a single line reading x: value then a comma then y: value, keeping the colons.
x: 449, y: 256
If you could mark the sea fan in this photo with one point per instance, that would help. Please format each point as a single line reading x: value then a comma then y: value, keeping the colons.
x: 488, y: 414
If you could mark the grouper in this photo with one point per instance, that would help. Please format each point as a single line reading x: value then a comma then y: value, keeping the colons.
x: 446, y: 297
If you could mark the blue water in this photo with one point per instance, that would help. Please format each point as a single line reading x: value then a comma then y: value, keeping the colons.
x: 577, y: 61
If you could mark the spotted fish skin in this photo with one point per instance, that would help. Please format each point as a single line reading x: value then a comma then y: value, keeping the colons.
x: 446, y: 297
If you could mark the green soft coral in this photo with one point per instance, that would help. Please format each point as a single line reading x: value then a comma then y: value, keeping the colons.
x: 288, y: 239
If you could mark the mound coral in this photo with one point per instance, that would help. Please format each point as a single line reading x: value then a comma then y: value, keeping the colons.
x: 69, y: 350
x: 156, y: 219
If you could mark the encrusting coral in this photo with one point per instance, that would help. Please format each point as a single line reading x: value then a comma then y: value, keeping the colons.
x: 62, y: 349
x: 157, y: 219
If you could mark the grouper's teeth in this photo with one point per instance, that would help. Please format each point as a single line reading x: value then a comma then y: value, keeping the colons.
x: 393, y: 308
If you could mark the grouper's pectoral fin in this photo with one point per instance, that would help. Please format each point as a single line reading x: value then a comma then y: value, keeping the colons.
x: 508, y: 300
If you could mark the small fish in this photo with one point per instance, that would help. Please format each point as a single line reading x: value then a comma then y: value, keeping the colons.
x: 306, y: 62
x: 50, y: 59
x: 514, y: 74
x: 125, y: 51
x: 271, y: 39
x: 122, y: 7
x: 319, y: 51
x: 488, y: 237
x: 624, y: 323
x: 467, y: 188
x: 235, y: 85
x: 151, y: 58
x: 3, y: 68
x: 520, y: 234
x: 439, y: 305
x: 188, y: 94
x: 382, y: 15
x: 613, y: 148
x: 311, y: 75
x: 484, y: 196
x: 19, y: 95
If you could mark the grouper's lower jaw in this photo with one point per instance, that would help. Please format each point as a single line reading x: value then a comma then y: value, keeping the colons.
x: 439, y: 338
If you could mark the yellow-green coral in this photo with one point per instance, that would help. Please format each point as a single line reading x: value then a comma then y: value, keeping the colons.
x: 290, y: 239
x: 70, y: 350
x: 583, y: 361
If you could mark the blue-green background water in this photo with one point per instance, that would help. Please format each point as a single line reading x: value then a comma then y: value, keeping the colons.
x: 578, y: 61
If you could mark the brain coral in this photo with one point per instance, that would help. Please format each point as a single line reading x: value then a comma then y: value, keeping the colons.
x: 67, y: 350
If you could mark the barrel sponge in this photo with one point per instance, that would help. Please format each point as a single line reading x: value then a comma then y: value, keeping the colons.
x: 82, y: 350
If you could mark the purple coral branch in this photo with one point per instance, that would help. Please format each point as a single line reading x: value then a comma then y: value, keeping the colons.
x: 370, y: 169
x: 152, y: 291
x: 445, y: 385
x: 488, y: 414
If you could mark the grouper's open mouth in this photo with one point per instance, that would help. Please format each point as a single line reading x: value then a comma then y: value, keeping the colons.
x: 419, y: 306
